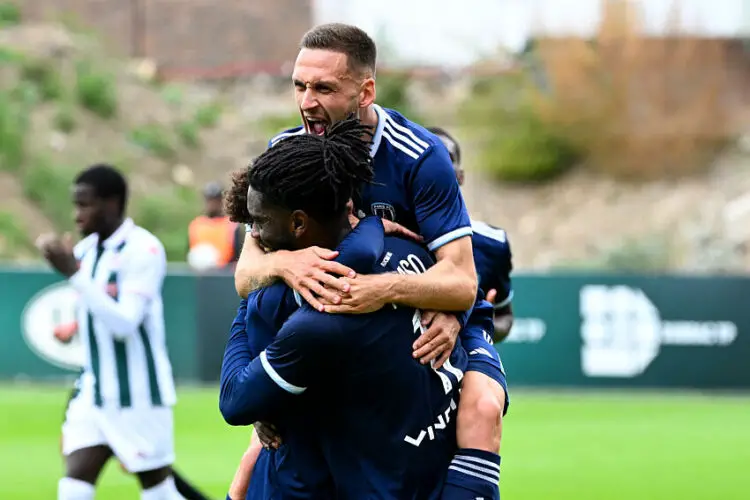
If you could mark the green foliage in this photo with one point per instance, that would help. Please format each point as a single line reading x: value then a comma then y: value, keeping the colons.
x: 167, y: 214
x: 173, y: 95
x: 64, y: 119
x: 10, y: 56
x: 48, y: 185
x: 96, y: 91
x: 43, y: 74
x: 189, y: 134
x: 208, y: 115
x: 10, y: 14
x: 526, y: 151
x: 14, y: 125
x: 13, y: 236
x: 271, y: 125
x: 155, y: 139
x: 651, y: 253
x: 393, y: 92
x: 516, y: 144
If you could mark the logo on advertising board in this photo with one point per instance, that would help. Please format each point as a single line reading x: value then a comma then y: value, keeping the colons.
x: 51, y: 308
x: 623, y: 332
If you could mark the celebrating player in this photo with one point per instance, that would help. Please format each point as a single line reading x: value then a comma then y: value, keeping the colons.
x: 124, y: 405
x: 415, y: 186
x: 367, y: 403
x: 492, y: 254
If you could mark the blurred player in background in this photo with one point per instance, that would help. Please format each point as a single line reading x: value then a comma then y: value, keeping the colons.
x: 64, y: 333
x: 213, y: 240
x: 492, y: 254
x: 124, y: 404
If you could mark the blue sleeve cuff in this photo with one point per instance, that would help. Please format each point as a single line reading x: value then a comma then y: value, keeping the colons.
x: 463, y: 317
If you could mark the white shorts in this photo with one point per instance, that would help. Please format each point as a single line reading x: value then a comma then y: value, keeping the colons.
x: 142, y: 439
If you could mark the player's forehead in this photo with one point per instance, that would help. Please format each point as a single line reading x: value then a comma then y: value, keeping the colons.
x: 317, y: 65
x: 258, y: 207
x: 254, y: 202
x: 82, y: 192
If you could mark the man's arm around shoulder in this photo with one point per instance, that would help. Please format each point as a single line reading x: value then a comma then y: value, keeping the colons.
x: 449, y: 285
x: 309, y: 271
x: 255, y: 268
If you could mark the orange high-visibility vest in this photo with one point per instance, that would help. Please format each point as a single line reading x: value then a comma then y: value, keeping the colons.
x: 215, y: 231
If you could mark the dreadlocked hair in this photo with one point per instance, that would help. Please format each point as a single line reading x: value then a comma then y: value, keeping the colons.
x: 316, y: 174
x: 235, y: 198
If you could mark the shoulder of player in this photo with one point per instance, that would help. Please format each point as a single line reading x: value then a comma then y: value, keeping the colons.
x: 397, y: 248
x: 312, y: 328
x: 487, y: 236
x: 141, y: 241
x: 286, y: 133
x: 274, y: 303
x: 407, y: 138
x: 83, y: 246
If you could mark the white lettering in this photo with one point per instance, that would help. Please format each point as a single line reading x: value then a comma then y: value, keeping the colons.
x: 386, y: 259
x: 711, y: 333
x: 440, y: 424
x: 411, y: 265
x: 528, y: 330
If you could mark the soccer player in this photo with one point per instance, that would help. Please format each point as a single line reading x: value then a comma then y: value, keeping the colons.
x: 492, y: 254
x: 384, y: 422
x: 124, y: 405
x: 414, y: 188
x: 64, y: 333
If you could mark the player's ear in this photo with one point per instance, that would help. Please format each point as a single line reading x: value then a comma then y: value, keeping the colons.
x: 299, y: 223
x: 367, y: 92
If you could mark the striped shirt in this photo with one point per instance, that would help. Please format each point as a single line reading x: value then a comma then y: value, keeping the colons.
x: 121, y: 319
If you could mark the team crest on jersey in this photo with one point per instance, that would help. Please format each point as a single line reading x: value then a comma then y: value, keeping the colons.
x: 384, y: 211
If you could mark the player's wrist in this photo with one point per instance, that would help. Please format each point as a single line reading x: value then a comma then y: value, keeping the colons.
x: 393, y: 288
x: 279, y: 264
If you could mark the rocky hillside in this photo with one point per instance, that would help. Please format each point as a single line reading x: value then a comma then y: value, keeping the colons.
x: 64, y: 103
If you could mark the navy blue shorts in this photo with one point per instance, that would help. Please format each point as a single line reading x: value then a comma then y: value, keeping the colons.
x: 483, y: 357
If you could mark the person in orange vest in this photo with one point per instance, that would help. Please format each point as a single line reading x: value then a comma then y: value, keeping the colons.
x: 214, y: 240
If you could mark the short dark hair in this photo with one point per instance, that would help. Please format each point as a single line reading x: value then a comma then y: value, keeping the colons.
x: 456, y: 153
x: 316, y: 174
x: 360, y: 50
x: 107, y: 182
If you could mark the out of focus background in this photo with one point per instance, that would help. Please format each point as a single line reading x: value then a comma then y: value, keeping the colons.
x: 611, y: 139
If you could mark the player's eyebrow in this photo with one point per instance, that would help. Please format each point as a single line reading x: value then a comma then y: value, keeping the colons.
x: 317, y: 85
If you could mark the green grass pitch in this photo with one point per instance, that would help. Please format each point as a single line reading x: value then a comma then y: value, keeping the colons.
x: 579, y: 446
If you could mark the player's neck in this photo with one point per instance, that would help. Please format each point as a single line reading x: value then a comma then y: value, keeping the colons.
x: 110, y: 229
x: 336, y: 233
x: 368, y: 116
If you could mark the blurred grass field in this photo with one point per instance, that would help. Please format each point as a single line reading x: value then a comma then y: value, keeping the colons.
x: 583, y: 446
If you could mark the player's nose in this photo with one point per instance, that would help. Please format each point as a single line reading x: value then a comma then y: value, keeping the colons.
x: 309, y: 101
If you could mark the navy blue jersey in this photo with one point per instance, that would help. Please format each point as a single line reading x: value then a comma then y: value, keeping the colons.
x: 415, y: 184
x: 492, y: 258
x: 385, y: 423
x: 296, y: 471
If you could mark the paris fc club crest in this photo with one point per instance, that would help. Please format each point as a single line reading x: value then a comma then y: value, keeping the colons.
x: 384, y: 211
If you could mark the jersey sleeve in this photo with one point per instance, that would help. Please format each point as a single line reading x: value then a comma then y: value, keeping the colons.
x: 500, y: 279
x: 305, y: 346
x: 257, y: 389
x: 268, y: 308
x: 246, y: 392
x: 438, y: 204
x: 141, y: 277
x: 363, y: 246
x: 144, y: 270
